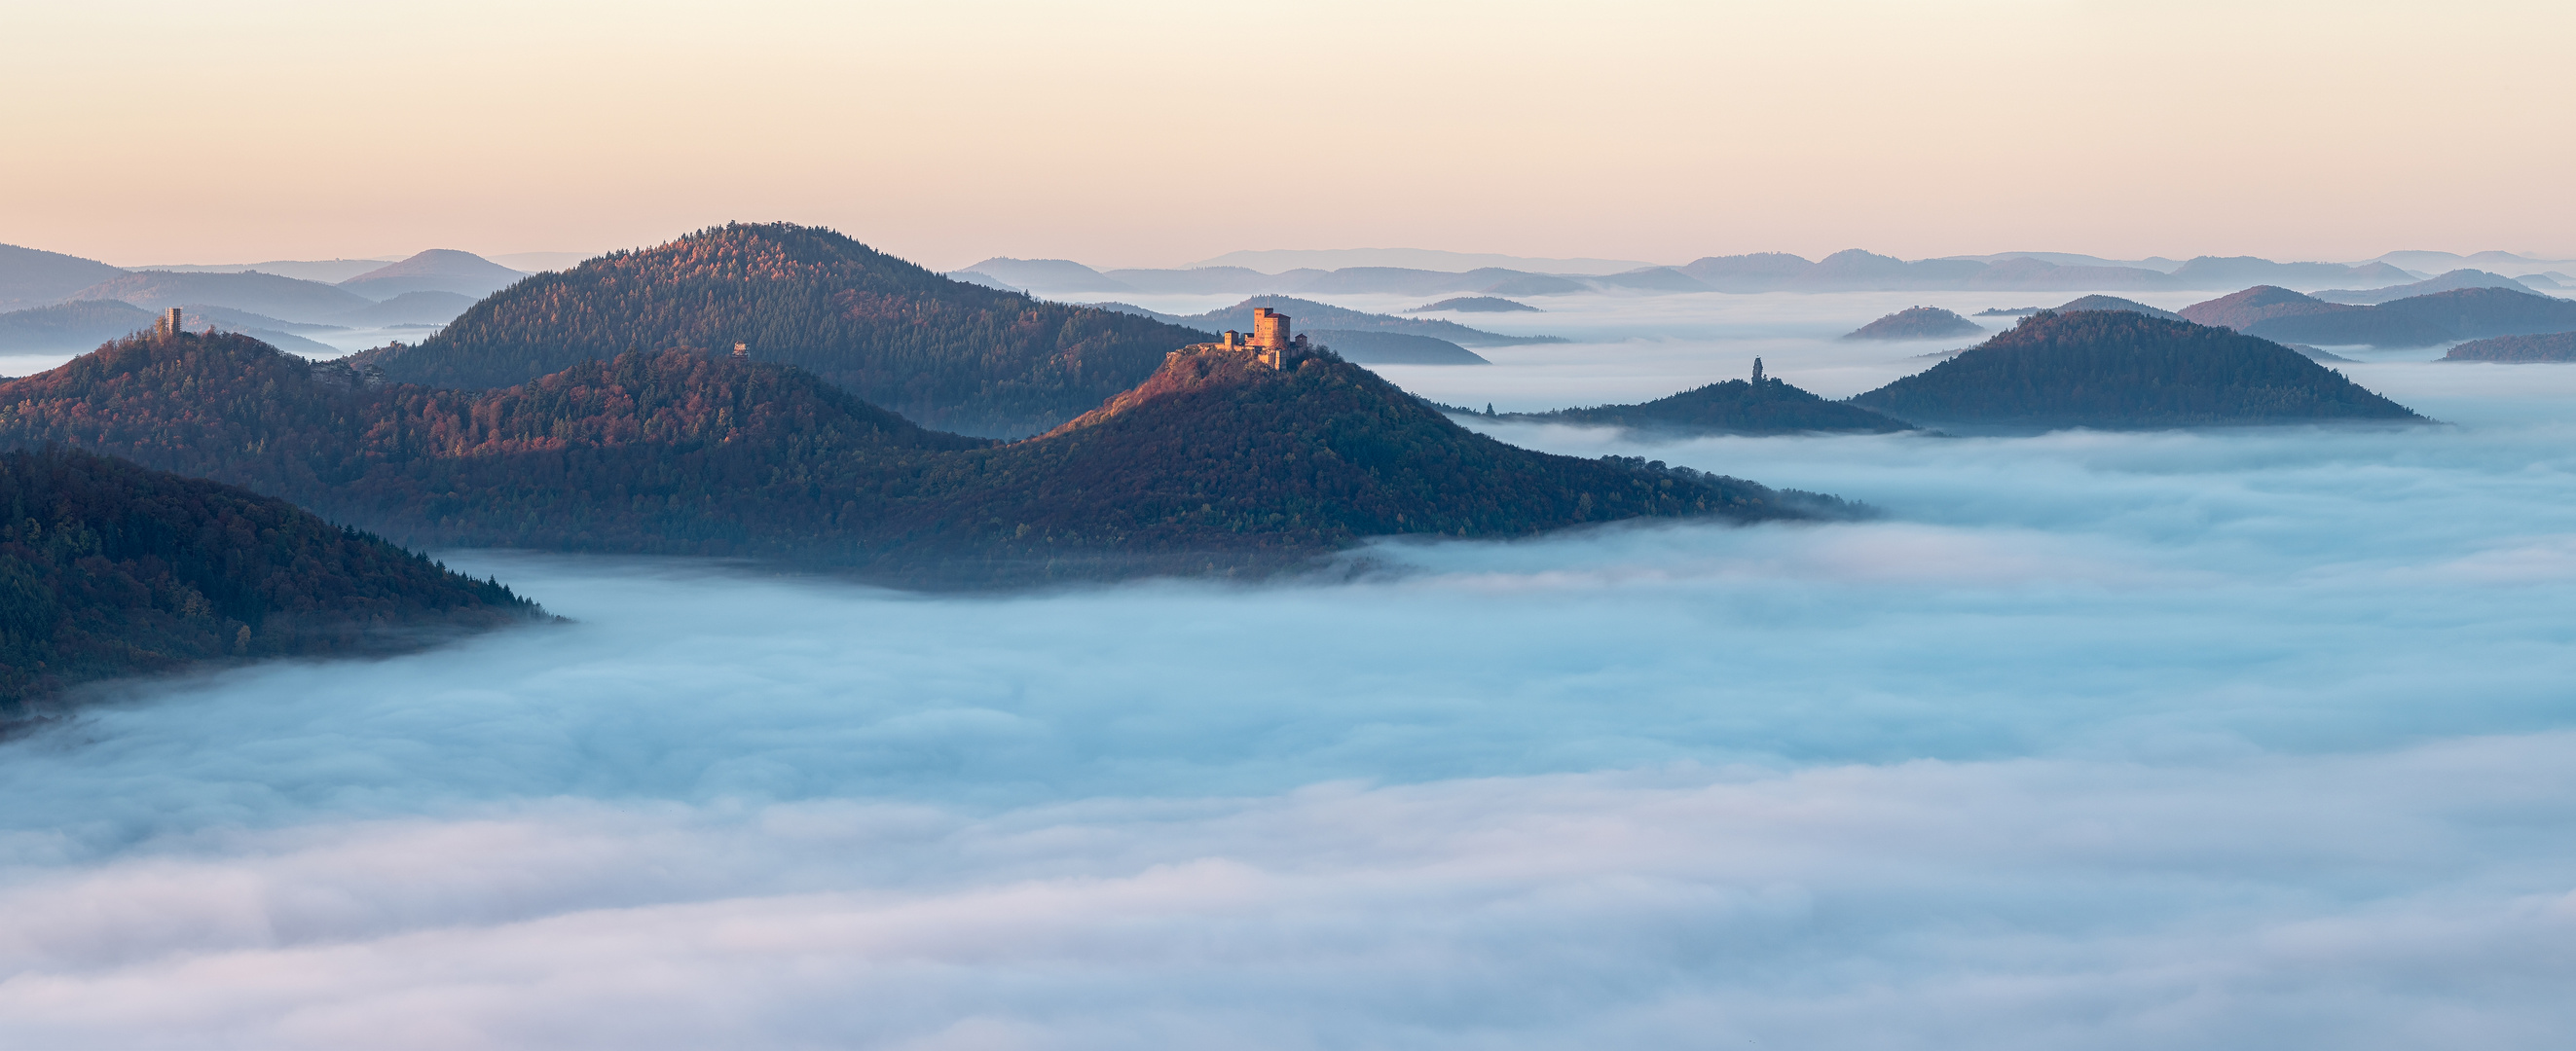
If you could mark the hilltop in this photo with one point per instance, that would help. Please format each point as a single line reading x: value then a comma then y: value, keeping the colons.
x: 2554, y: 346
x: 2119, y: 369
x: 1476, y: 305
x: 1762, y: 405
x: 1917, y: 323
x: 944, y: 353
x: 1221, y: 469
x: 2114, y: 303
x: 113, y: 569
x: 33, y: 277
x: 436, y: 270
x: 2414, y: 321
x: 2446, y: 282
x: 286, y: 298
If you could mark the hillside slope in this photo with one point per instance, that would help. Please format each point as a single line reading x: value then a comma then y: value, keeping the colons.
x: 684, y: 453
x: 436, y: 270
x: 1762, y: 405
x: 35, y: 277
x: 2413, y: 321
x: 76, y: 325
x: 1917, y: 323
x: 279, y: 297
x: 108, y: 569
x: 950, y: 355
x: 2118, y: 369
x: 2549, y: 347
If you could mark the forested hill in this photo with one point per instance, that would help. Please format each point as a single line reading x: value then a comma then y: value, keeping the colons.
x: 108, y: 569
x: 233, y: 408
x: 954, y: 356
x: 2118, y: 369
x: 1216, y: 457
x: 1763, y: 405
x: 687, y: 453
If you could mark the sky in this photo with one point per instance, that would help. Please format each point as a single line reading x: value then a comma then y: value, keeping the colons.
x: 1157, y: 133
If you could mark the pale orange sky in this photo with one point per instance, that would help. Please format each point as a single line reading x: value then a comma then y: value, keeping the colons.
x: 1154, y: 133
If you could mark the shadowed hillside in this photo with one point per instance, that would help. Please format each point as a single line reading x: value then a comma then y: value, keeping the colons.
x: 1917, y: 323
x: 947, y: 354
x: 108, y: 568
x: 2414, y: 321
x: 34, y: 277
x: 2118, y: 369
x: 1236, y: 469
x: 1763, y: 405
x: 2554, y: 346
x: 266, y: 294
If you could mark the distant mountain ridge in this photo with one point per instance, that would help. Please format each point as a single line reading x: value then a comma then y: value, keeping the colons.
x: 436, y: 270
x: 2415, y: 321
x: 83, y: 324
x: 286, y: 298
x: 1476, y: 305
x: 1849, y: 270
x: 2542, y: 347
x: 33, y: 277
x: 326, y: 271
x: 2455, y: 279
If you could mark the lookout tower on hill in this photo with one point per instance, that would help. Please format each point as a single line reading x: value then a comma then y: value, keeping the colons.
x: 1268, y: 343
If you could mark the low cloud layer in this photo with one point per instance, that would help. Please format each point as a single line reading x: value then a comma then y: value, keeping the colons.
x: 2389, y: 900
x: 2116, y: 741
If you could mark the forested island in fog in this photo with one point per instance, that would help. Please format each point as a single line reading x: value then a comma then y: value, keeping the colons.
x: 1212, y: 466
x: 2122, y: 369
x: 108, y: 568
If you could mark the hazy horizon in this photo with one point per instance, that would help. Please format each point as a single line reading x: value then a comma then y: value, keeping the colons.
x: 1644, y: 130
x: 1268, y: 260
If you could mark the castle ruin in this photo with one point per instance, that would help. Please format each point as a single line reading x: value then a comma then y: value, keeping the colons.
x: 1267, y: 345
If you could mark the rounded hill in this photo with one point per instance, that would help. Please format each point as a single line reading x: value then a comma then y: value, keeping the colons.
x: 2119, y: 369
x: 946, y: 354
x: 1917, y: 323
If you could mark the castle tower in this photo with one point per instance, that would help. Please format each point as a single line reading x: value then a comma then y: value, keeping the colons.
x: 169, y: 325
x: 1269, y: 329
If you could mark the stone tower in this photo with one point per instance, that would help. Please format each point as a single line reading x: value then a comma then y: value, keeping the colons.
x: 169, y: 323
x: 1269, y: 329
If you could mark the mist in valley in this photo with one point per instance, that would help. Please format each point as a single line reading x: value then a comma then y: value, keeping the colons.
x: 2209, y: 738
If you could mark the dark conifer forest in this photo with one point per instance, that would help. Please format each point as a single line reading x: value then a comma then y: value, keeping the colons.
x: 955, y: 356
x: 679, y: 452
x: 108, y: 568
x: 2119, y: 369
x: 1762, y: 405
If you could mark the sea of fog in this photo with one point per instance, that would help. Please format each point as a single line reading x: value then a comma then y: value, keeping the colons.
x: 2227, y: 739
